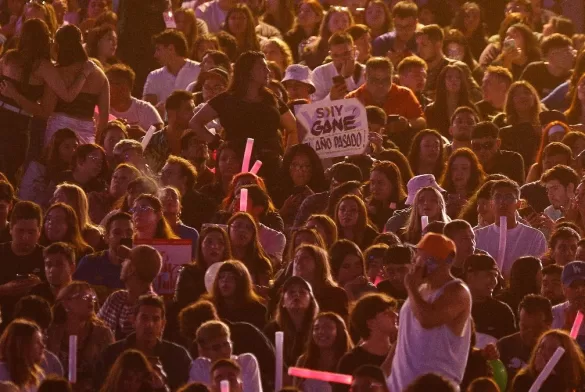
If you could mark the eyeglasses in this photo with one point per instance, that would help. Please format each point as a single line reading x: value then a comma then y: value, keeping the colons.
x: 141, y: 209
x: 86, y: 297
x: 507, y: 198
x: 482, y: 146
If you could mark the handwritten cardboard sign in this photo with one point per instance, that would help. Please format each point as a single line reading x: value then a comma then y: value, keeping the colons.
x: 334, y: 128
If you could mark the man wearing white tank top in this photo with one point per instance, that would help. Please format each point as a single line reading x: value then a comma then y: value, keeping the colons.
x: 434, y: 334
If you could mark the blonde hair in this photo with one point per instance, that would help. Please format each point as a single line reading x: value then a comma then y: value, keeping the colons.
x: 413, y: 225
x: 287, y: 56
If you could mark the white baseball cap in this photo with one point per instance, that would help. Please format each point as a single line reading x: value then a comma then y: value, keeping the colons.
x: 418, y: 182
x: 300, y: 73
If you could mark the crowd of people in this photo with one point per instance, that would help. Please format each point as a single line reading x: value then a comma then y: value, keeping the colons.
x: 448, y: 256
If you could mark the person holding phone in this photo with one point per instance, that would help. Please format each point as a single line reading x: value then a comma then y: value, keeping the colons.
x: 21, y: 260
x: 435, y: 320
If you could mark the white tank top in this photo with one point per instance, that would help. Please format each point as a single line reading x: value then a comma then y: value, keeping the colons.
x: 420, y: 351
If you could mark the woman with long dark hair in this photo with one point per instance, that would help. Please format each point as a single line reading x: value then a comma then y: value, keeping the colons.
x: 521, y: 110
x: 249, y: 109
x: 280, y: 14
x: 38, y: 181
x: 469, y: 20
x: 21, y: 353
x: 240, y: 23
x: 377, y: 17
x: 387, y: 193
x: 28, y: 75
x: 60, y: 224
x: 306, y: 24
x: 148, y: 218
x: 456, y: 47
x: 452, y: 93
x: 234, y: 297
x: 351, y: 218
x: 295, y: 312
x: 426, y: 153
x: 325, y: 226
x: 75, y: 314
x: 132, y: 372
x: 348, y: 269
x: 102, y: 43
x: 228, y: 160
x: 78, y: 114
x: 213, y: 246
x: 312, y: 264
x: 328, y: 341
x: 569, y: 373
x: 246, y: 247
x: 462, y: 178
x: 89, y: 169
x: 520, y: 47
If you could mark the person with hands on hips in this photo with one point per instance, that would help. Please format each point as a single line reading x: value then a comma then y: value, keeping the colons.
x: 435, y: 320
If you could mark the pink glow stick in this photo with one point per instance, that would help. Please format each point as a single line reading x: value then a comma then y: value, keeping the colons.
x: 424, y: 222
x: 244, y: 200
x: 224, y: 386
x: 247, y: 155
x: 577, y: 325
x: 321, y: 376
x: 256, y: 167
x: 502, y: 241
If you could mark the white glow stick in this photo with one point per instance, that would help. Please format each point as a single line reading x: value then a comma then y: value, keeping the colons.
x: 73, y: 359
x: 424, y: 222
x: 552, y: 362
x: 244, y: 200
x: 502, y: 242
x: 279, y: 345
x: 148, y: 136
x: 224, y: 386
x: 247, y: 155
x: 256, y: 168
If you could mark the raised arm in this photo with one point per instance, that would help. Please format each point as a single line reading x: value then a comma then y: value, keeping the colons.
x: 53, y: 79
x: 200, y: 120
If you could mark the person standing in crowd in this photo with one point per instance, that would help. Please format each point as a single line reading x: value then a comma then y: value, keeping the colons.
x: 535, y: 318
x: 177, y: 70
x: 379, y: 90
x: 522, y: 240
x: 141, y: 266
x: 485, y: 142
x: 59, y: 260
x: 495, y: 85
x: 462, y: 122
x: 22, y: 258
x: 573, y: 280
x: 375, y: 321
x: 400, y: 42
x: 491, y: 317
x: 397, y: 263
x: 123, y: 105
x: 435, y: 323
x: 461, y: 233
x: 343, y: 65
x: 214, y: 343
x: 412, y: 74
x: 169, y: 360
x: 102, y: 269
x: 552, y: 288
x: 298, y: 82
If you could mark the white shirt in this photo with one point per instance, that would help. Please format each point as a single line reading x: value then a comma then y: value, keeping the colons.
x: 140, y: 113
x: 521, y: 241
x: 273, y: 243
x: 323, y: 81
x: 211, y: 13
x: 201, y: 371
x: 162, y: 83
x: 435, y: 350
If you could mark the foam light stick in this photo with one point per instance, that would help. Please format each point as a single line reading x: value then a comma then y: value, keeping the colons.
x: 424, y: 222
x: 244, y: 200
x: 279, y: 346
x: 502, y: 242
x: 256, y: 168
x: 73, y: 359
x: 224, y: 386
x: 321, y: 376
x: 577, y: 325
x: 550, y: 365
x: 148, y: 136
x: 247, y: 155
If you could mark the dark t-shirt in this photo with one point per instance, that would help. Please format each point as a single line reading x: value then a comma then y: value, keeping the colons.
x: 514, y: 354
x: 353, y: 360
x: 257, y: 120
x: 494, y: 318
x: 12, y: 265
x: 487, y: 112
x: 522, y: 138
x: 535, y: 194
x: 510, y: 164
x: 544, y: 82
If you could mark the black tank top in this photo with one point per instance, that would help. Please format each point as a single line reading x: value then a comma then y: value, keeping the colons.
x: 82, y: 106
x: 32, y: 92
